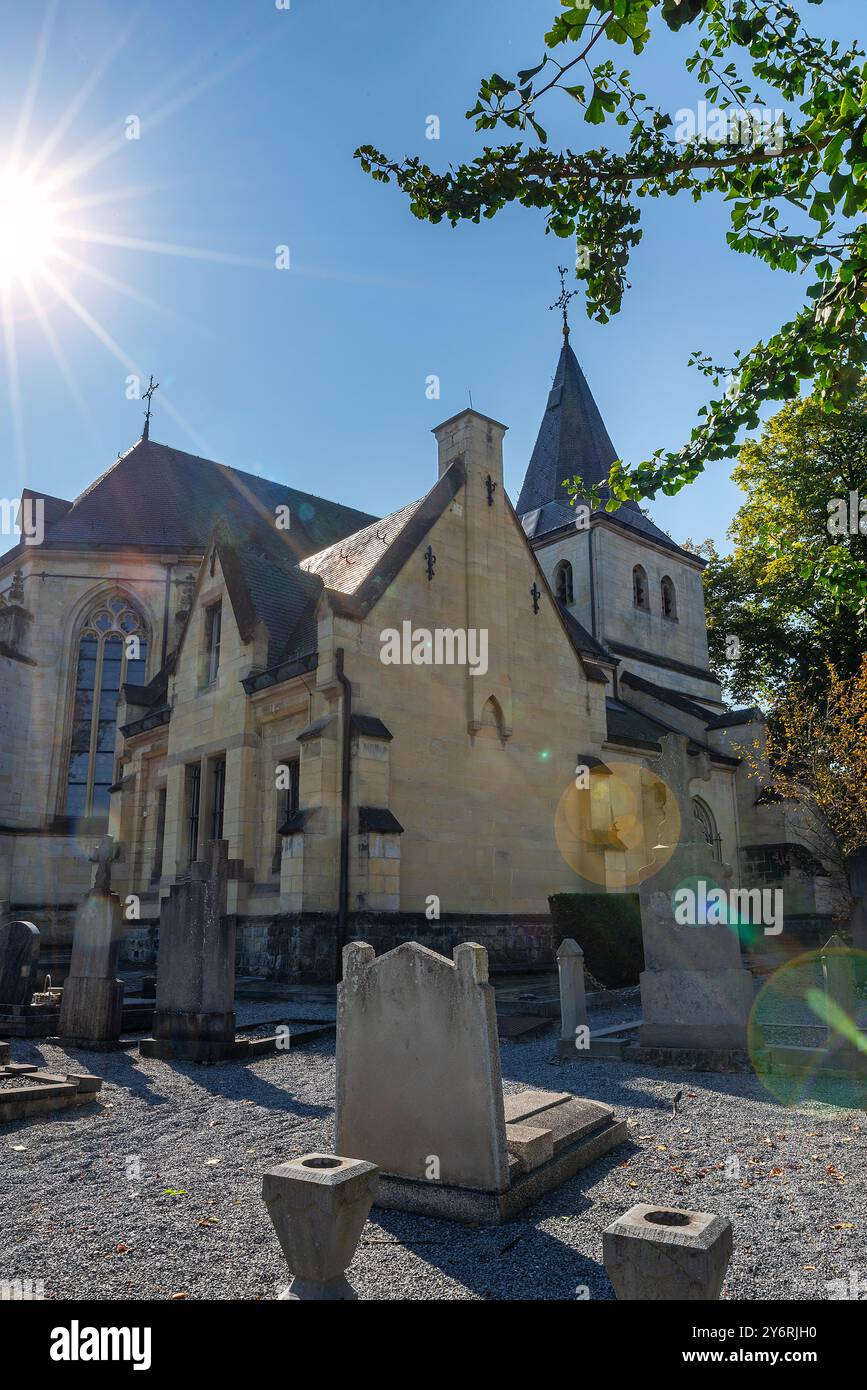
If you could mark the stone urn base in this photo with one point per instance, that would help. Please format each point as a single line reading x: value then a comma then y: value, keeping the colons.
x: 653, y: 1252
x: 318, y: 1205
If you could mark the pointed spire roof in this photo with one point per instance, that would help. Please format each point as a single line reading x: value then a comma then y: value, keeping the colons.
x: 572, y: 439
x: 573, y: 442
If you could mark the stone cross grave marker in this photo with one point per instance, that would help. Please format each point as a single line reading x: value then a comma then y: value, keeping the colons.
x: 91, y: 1008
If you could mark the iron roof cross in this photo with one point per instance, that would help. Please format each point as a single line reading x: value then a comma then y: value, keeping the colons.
x: 562, y: 302
x: 147, y: 396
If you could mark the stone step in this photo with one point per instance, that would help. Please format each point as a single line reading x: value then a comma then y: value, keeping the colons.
x: 531, y: 1144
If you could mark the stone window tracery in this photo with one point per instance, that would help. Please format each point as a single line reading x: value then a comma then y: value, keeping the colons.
x: 112, y: 649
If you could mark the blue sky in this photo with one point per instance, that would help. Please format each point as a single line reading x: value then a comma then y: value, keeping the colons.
x: 316, y: 375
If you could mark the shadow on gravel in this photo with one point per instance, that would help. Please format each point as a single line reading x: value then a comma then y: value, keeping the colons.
x: 514, y: 1261
x: 231, y: 1080
x: 625, y: 1084
x: 115, y: 1068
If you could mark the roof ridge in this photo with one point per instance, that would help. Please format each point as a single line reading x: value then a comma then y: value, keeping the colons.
x: 104, y: 474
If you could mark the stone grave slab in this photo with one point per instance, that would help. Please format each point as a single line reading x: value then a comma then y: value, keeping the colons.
x: 27, y: 1091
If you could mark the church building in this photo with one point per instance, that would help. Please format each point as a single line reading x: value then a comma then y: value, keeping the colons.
x: 419, y: 726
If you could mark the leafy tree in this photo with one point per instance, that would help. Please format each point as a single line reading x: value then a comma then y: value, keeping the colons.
x: 770, y: 625
x: 817, y: 754
x: 796, y: 191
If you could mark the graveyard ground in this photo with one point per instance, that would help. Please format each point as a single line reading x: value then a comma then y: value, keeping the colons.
x: 193, y: 1225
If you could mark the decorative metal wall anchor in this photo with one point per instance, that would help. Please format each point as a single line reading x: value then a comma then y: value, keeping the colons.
x: 535, y: 594
x: 492, y: 487
x: 430, y: 561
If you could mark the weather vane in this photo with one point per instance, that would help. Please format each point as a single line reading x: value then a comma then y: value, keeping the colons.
x: 563, y: 301
x: 147, y: 396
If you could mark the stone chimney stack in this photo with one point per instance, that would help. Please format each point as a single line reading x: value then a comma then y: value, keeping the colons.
x: 477, y: 440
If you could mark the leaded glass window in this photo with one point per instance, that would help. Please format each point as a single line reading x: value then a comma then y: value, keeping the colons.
x: 112, y: 650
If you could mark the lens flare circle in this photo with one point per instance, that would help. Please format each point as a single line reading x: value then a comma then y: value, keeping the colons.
x: 621, y: 828
x: 803, y: 1038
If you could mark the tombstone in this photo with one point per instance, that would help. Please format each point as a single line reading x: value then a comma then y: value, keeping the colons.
x: 194, y: 1018
x: 19, y: 953
x: 856, y: 868
x: 419, y: 1091
x: 695, y: 992
x: 91, y: 1007
x: 573, y: 1001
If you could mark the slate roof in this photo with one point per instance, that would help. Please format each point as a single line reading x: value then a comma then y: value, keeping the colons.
x: 581, y: 638
x: 675, y: 698
x: 573, y: 441
x: 282, y: 595
x: 730, y: 717
x: 358, y: 571
x: 626, y: 724
x: 155, y: 496
x: 345, y: 566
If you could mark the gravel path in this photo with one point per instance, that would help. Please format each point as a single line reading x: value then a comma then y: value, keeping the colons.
x: 74, y: 1214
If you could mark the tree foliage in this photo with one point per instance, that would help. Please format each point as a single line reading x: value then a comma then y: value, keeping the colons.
x: 817, y: 756
x: 796, y: 194
x: 770, y: 625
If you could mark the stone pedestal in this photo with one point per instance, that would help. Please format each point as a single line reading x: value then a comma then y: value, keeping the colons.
x: 654, y: 1253
x: 92, y: 1002
x: 318, y: 1205
x: 573, y: 1001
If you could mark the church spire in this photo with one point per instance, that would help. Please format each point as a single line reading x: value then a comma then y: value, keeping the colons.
x: 572, y: 437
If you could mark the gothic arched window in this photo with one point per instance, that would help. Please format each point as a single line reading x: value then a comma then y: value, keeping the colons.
x: 640, y: 592
x: 112, y: 649
x: 563, y: 582
x: 705, y: 817
x: 669, y: 598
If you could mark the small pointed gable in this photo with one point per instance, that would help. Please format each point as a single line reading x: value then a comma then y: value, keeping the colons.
x: 263, y: 585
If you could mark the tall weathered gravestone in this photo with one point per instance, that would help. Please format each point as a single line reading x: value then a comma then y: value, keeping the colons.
x: 91, y: 1008
x: 19, y: 953
x: 195, y: 1018
x: 419, y: 1091
x: 695, y: 992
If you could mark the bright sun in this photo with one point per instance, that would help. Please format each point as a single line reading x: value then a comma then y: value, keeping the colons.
x: 28, y: 227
